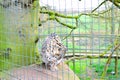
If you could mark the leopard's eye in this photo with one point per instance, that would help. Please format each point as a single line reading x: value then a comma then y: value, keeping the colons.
x: 57, y: 54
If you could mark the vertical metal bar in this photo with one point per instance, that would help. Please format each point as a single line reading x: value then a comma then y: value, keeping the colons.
x: 116, y: 64
x: 73, y: 44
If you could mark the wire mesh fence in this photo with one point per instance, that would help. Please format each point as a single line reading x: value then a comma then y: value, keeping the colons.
x: 90, y: 30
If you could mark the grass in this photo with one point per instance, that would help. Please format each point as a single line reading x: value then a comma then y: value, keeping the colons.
x: 99, y: 67
x: 80, y: 68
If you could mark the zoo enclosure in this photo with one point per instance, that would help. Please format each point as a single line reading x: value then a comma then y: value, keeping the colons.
x: 92, y: 36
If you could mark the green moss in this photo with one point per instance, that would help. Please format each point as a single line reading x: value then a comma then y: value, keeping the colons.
x: 22, y: 48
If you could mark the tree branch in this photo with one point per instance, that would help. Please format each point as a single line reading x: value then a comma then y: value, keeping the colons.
x: 102, y: 54
x: 69, y: 26
x: 116, y: 3
x: 99, y: 6
x: 49, y: 12
x: 108, y: 61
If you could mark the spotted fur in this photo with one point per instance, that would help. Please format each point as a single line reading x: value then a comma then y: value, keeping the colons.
x: 53, y: 51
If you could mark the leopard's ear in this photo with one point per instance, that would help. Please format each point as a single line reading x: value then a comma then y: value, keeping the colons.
x: 54, y: 34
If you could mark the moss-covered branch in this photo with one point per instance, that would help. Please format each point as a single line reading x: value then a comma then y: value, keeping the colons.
x: 90, y: 56
x: 117, y: 45
x: 101, y: 55
x: 54, y: 15
x: 116, y: 3
x: 67, y: 25
x: 69, y: 16
x: 50, y: 12
x: 108, y: 61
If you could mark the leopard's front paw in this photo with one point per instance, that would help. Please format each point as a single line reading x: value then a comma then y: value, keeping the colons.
x: 54, y: 68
